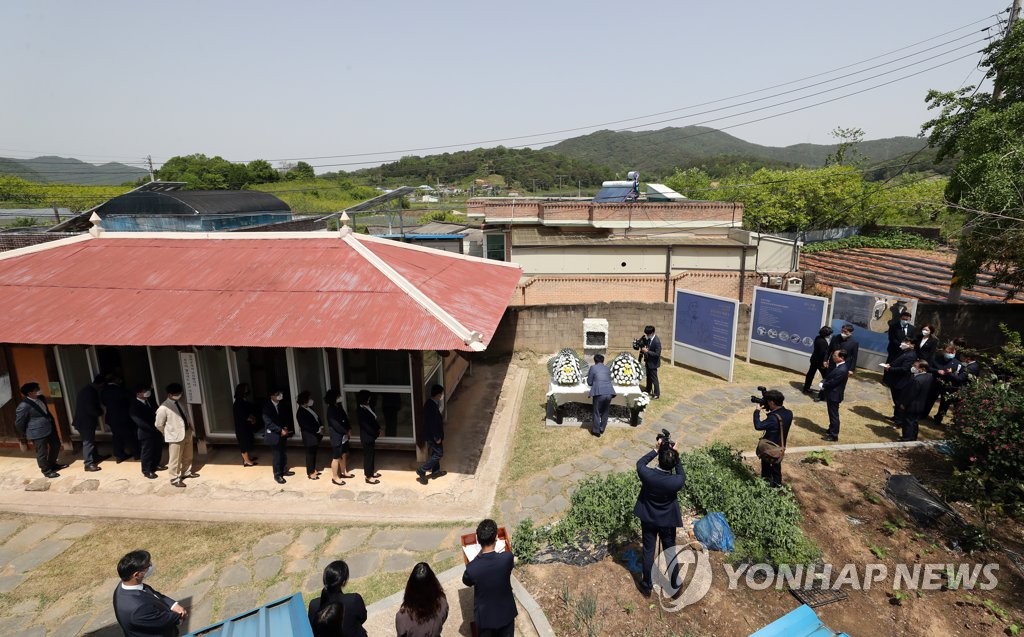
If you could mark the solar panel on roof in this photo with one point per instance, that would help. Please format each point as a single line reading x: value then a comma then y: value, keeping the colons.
x: 614, y: 194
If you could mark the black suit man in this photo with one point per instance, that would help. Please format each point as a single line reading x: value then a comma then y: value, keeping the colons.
x: 276, y: 426
x: 490, y: 574
x: 657, y: 506
x: 844, y: 341
x: 899, y: 330
x: 914, y: 400
x: 819, y: 356
x: 369, y: 431
x: 652, y: 361
x: 898, y: 377
x: 87, y: 419
x: 150, y: 439
x: 833, y: 390
x: 433, y: 432
x: 140, y: 610
x: 116, y: 402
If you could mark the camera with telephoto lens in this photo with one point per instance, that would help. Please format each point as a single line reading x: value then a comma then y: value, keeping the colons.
x: 760, y: 400
x: 643, y: 341
x: 665, y: 438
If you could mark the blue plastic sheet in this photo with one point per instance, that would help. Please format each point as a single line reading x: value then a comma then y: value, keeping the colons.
x: 714, y: 533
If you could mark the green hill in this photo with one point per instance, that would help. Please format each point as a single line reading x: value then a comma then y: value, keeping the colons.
x: 661, y: 152
x: 65, y: 170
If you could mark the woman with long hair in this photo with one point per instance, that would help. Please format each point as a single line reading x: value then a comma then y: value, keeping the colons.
x: 353, y: 608
x: 329, y: 621
x: 424, y: 607
x: 312, y: 431
x: 340, y: 431
x: 245, y: 423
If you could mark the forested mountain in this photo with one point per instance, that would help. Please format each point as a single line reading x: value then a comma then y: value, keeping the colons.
x: 65, y: 170
x: 519, y: 168
x: 659, y: 153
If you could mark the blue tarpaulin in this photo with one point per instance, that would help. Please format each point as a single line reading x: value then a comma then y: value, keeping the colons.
x: 802, y: 622
x: 285, y: 617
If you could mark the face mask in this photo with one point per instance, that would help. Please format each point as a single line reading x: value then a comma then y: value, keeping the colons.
x: 149, y: 572
x: 905, y: 346
x: 949, y: 355
x: 147, y: 394
x: 176, y: 397
x: 338, y: 400
x: 309, y: 403
x: 915, y: 371
x: 926, y: 332
x: 277, y: 398
x: 904, y: 323
x: 847, y: 335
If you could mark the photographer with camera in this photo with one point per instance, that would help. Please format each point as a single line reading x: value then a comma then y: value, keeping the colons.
x: 772, y: 446
x: 657, y: 506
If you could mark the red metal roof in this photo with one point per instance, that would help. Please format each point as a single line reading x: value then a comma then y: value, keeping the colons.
x: 307, y: 290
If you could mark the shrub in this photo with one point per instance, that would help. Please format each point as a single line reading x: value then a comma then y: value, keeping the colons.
x: 894, y: 239
x: 987, y: 437
x: 764, y: 520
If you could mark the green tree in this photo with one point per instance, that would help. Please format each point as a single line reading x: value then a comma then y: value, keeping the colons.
x: 262, y: 172
x: 846, y: 153
x: 301, y: 172
x: 987, y: 131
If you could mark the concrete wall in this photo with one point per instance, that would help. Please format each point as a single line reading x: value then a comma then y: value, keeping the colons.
x: 638, y: 288
x: 548, y: 328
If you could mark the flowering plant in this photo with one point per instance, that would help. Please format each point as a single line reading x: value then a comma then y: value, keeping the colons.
x: 639, y: 401
x: 567, y: 368
x: 625, y: 370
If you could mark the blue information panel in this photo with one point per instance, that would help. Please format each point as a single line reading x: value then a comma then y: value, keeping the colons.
x: 870, y: 314
x: 706, y: 322
x: 786, y: 320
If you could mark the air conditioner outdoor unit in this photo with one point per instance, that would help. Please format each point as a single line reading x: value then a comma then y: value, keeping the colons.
x: 795, y: 284
x: 775, y: 282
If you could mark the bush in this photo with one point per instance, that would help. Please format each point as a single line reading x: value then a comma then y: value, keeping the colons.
x: 987, y: 437
x: 764, y: 520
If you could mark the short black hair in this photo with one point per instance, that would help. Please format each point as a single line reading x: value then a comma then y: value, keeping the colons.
x: 905, y: 313
x: 132, y: 563
x: 841, y: 353
x: 241, y: 390
x: 98, y: 379
x: 303, y: 396
x: 175, y: 388
x: 363, y: 397
x: 825, y: 331
x: 668, y: 457
x: 435, y: 390
x: 921, y: 364
x: 775, y: 396
x: 598, y: 358
x: 141, y: 387
x: 487, y: 532
x: 331, y: 396
x: 849, y: 328
x: 649, y: 330
x: 29, y: 387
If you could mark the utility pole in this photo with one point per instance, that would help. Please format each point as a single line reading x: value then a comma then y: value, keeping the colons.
x: 149, y: 160
x: 955, y: 287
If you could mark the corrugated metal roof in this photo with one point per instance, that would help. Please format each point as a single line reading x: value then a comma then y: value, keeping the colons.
x: 263, y: 290
x: 282, y: 618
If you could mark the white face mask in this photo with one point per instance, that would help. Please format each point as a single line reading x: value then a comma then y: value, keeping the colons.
x: 149, y: 572
x: 915, y: 371
x: 905, y: 346
x: 147, y: 394
x: 338, y: 400
x: 175, y: 397
x: 847, y: 335
x: 926, y: 332
x: 276, y: 398
x: 309, y: 403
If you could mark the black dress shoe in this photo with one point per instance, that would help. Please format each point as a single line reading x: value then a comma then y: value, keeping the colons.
x: 120, y: 460
x: 280, y: 479
x: 906, y: 440
x: 178, y: 483
x: 91, y: 467
x: 162, y: 467
x: 830, y: 438
x: 288, y: 473
x: 58, y: 467
x: 151, y: 475
x: 438, y: 474
x: 191, y: 474
x: 422, y: 479
x: 51, y: 474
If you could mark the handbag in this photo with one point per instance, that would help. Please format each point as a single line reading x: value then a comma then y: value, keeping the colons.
x: 771, y: 451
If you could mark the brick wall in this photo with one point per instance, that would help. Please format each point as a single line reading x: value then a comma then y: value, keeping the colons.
x: 553, y: 211
x: 548, y: 328
x: 558, y: 289
x: 15, y: 240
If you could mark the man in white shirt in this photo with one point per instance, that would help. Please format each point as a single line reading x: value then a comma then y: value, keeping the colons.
x: 140, y: 610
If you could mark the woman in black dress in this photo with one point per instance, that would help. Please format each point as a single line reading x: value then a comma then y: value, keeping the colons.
x: 245, y: 423
x: 369, y: 431
x: 340, y: 431
x: 927, y: 345
x: 312, y: 431
x: 354, y: 614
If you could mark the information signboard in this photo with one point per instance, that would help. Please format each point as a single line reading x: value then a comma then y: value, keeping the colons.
x: 783, y: 326
x: 869, y: 313
x: 190, y: 377
x: 704, y: 334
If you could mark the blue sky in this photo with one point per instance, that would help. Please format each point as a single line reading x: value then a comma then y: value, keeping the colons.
x: 119, y: 80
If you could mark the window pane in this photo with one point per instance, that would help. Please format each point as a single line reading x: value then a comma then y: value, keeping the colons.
x: 496, y: 247
x: 75, y: 364
x: 265, y: 369
x: 393, y: 410
x: 376, y: 367
x: 218, y: 394
x: 431, y: 359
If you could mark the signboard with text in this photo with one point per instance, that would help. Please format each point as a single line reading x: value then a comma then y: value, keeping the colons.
x: 190, y: 377
x: 704, y: 334
x: 783, y: 326
x: 870, y: 314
